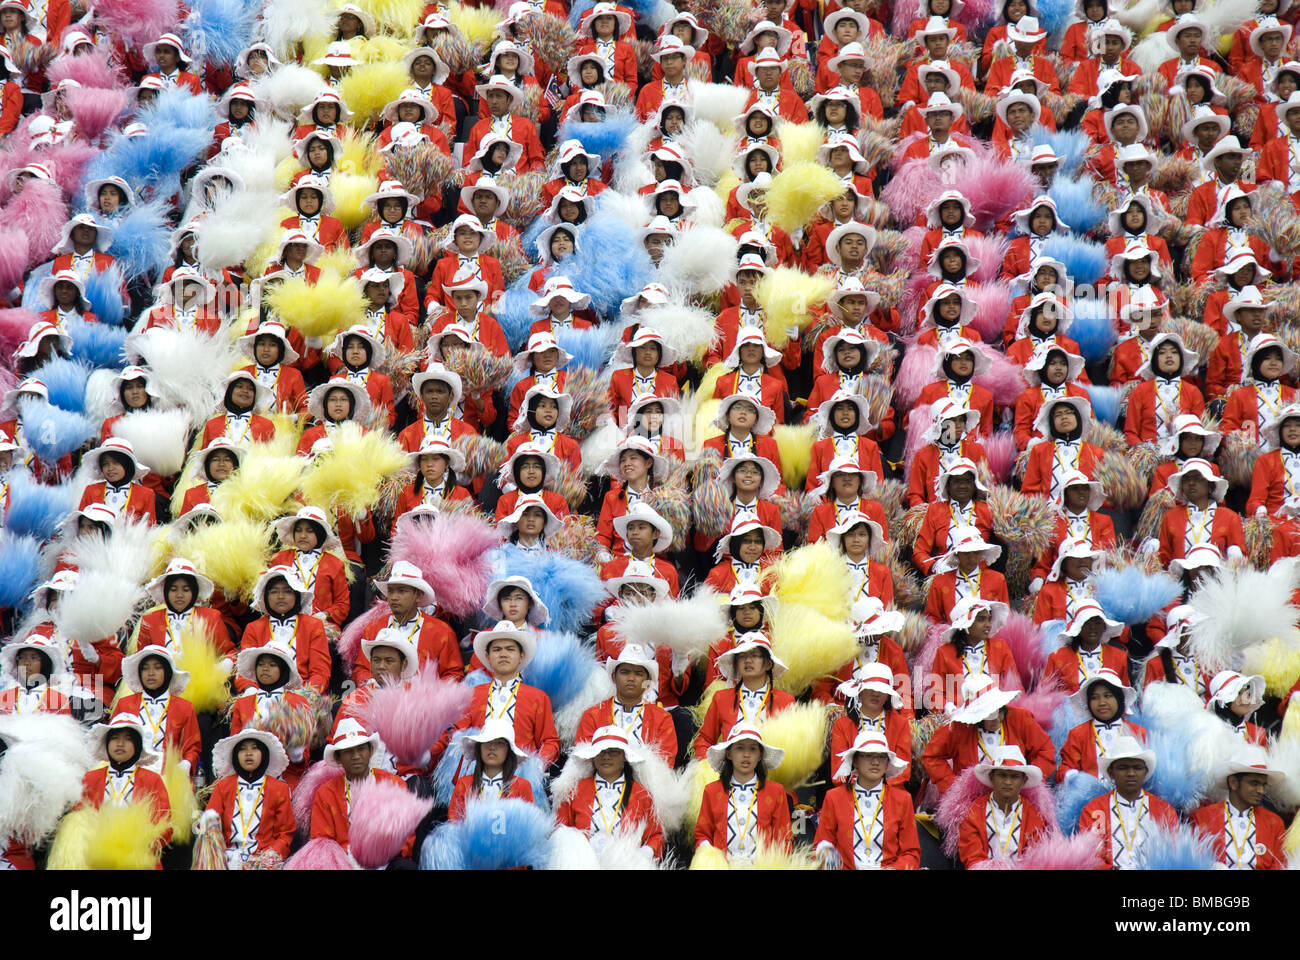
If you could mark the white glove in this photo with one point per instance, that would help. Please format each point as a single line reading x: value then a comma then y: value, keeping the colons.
x: 828, y: 858
x: 88, y: 651
x: 1235, y: 554
x: 322, y: 616
x: 184, y: 765
x: 1150, y: 545
x: 208, y: 818
x: 604, y: 556
x: 1035, y: 585
x: 792, y: 333
x: 226, y: 666
x: 680, y: 663
x: 1261, y: 513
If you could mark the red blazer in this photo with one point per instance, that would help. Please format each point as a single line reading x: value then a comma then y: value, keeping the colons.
x: 1084, y: 80
x: 52, y: 701
x: 1203, y: 203
x: 1101, y: 530
x: 1080, y: 749
x: 139, y: 500
x: 657, y: 730
x: 412, y: 436
x: 1225, y: 532
x: 981, y: 400
x: 943, y: 592
x: 901, y: 847
x: 1211, y: 252
x: 551, y: 189
x: 1223, y: 369
x: 1268, y: 484
x: 722, y: 578
x: 436, y: 642
x: 534, y: 722
x: 973, y: 840
x: 1038, y: 471
x: 519, y: 789
x: 622, y: 382
x: 276, y: 828
x: 523, y: 132
x: 148, y: 787
x: 310, y: 647
x: 618, y: 566
x: 109, y: 666
x: 788, y: 104
x: 329, y: 234
x: 771, y: 810
x: 771, y: 391
x: 153, y: 629
x: 506, y: 505
x: 290, y: 389
x: 329, y: 811
x: 924, y: 469
x: 1028, y: 404
x: 932, y: 535
x: 164, y: 316
x: 671, y: 687
x: 823, y: 453
x: 722, y: 714
x: 444, y: 271
x: 1064, y: 665
x: 260, y: 429
x: 823, y: 518
x: 1269, y: 831
x: 566, y: 448
x: 898, y: 734
x: 182, y: 724
x: 947, y: 671
x: 764, y: 446
x: 330, y: 588
x: 490, y: 333
x: 955, y: 746
x: 1243, y: 407
x: 769, y: 514
x: 1095, y: 816
x: 410, y: 498
x: 1140, y: 415
x: 638, y: 813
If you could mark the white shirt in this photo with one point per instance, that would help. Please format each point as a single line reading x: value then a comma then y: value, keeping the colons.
x: 742, y: 819
x: 868, y: 827
x: 502, y: 698
x: 1003, y: 828
x: 1239, y: 837
x: 606, y: 811
x: 1128, y: 829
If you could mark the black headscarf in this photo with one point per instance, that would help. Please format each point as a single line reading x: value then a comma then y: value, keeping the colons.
x: 257, y: 772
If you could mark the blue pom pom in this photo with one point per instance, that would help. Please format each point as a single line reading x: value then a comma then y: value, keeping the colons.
x: 1085, y: 261
x: 1049, y: 636
x: 534, y: 771
x: 20, y: 568
x: 142, y: 240
x: 1092, y: 329
x: 603, y: 137
x: 153, y: 162
x: 1078, y: 790
x: 178, y: 108
x: 1181, y: 847
x: 443, y: 848
x: 609, y: 280
x: 1105, y: 402
x: 35, y: 509
x: 1177, y: 778
x: 31, y: 290
x: 216, y: 31
x: 1075, y: 204
x: 590, y: 347
x: 1063, y: 721
x: 560, y: 667
x: 451, y: 767
x: 500, y: 834
x: 104, y: 291
x: 1054, y: 16
x: 1131, y: 596
x: 569, y: 589
x: 530, y: 235
x: 66, y: 381
x: 51, y: 432
x: 512, y: 311
x: 98, y: 344
x: 1069, y: 145
x: 578, y: 11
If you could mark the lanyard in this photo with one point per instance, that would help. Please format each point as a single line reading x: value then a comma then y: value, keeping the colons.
x: 983, y: 661
x: 510, y: 701
x: 308, y: 576
x: 120, y: 798
x: 246, y: 823
x: 743, y: 830
x: 1129, y: 839
x: 1003, y: 843
x: 607, y: 824
x: 979, y: 741
x: 868, y: 828
x: 174, y: 641
x: 1239, y: 850
x: 762, y: 707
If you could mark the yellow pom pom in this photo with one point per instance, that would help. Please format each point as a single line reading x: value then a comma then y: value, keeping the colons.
x: 347, y: 477
x: 700, y: 709
x: 476, y: 23
x: 798, y: 192
x: 314, y: 47
x: 339, y: 262
x: 800, y: 730
x: 72, y: 842
x: 233, y: 554
x: 359, y: 153
x: 395, y: 16
x: 384, y: 49
x: 350, y: 192
x: 728, y: 182
x: 789, y: 297
x: 180, y: 793
x: 812, y: 646
x: 318, y: 310
x: 1277, y: 661
x: 208, y: 688
x: 1291, y: 725
x: 125, y: 837
x: 697, y: 775
x: 799, y: 141
x: 773, y: 857
x: 709, y: 857
x: 815, y: 576
x: 794, y: 443
x: 255, y: 266
x: 288, y: 430
x: 1290, y: 843
x: 262, y: 488
x: 285, y: 171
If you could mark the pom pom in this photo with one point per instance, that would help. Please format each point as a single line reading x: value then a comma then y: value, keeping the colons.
x: 135, y: 22
x: 262, y: 488
x: 39, y: 213
x: 1277, y: 661
x: 320, y: 854
x: 810, y: 644
x: 495, y: 835
x: 1093, y: 331
x: 475, y: 23
x: 384, y: 814
x: 1240, y: 607
x: 20, y: 568
x: 1181, y: 847
x: 125, y: 837
x: 800, y: 730
x: 370, y: 87
x: 717, y: 103
x: 1023, y: 637
x: 208, y: 688
x: 1131, y: 596
x: 104, y: 291
x: 605, y: 138
x: 35, y: 509
x: 347, y: 477
x: 210, y: 847
x: 1078, y: 790
x: 158, y: 436
x: 452, y: 554
x: 52, y: 433
x: 410, y: 718
x: 1080, y: 852
x: 688, y: 627
x: 1075, y: 204
x: 1004, y: 379
x: 569, y: 589
x: 560, y: 666
x: 609, y: 280
x: 1086, y: 262
x: 798, y: 192
x: 95, y: 110
x: 45, y: 759
x: 97, y: 344
x: 590, y: 347
x: 180, y: 797
x: 66, y: 382
x: 700, y: 261
x: 233, y: 553
x: 814, y: 576
x: 795, y: 445
x: 789, y: 297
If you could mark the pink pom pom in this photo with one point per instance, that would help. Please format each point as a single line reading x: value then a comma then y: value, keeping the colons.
x: 15, y: 323
x: 992, y: 304
x: 911, y: 189
x: 1021, y: 635
x: 1082, y: 851
x: 350, y: 641
x: 990, y: 250
x: 1003, y: 379
x: 136, y: 22
x: 904, y: 14
x: 910, y: 258
x: 68, y: 160
x: 13, y: 259
x: 39, y: 212
x: 320, y: 854
x: 384, y: 815
x: 977, y: 13
x: 1042, y: 703
x: 1000, y: 449
x: 916, y: 370
x: 95, y: 109
x: 411, y: 717
x: 90, y: 70
x: 955, y: 804
x: 452, y: 552
x: 317, y: 775
x: 995, y: 188
x: 913, y: 300
x: 918, y: 422
x: 933, y: 641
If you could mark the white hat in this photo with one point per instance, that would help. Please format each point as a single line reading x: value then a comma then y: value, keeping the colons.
x: 783, y: 37
x: 846, y: 464
x: 1191, y: 423
x: 563, y: 401
x: 1228, y: 144
x: 246, y: 662
x: 879, y: 544
x: 869, y: 741
x: 100, y: 732
x: 1265, y: 26
x: 1188, y: 21
x: 638, y: 656
x: 1076, y: 478
x: 131, y: 668
x: 1034, y: 367
x: 740, y: 526
x: 122, y: 448
x: 754, y: 336
x: 839, y: 233
x: 550, y: 462
x: 942, y: 292
x: 1105, y: 675
x: 1201, y: 555
x: 1202, y: 115
x: 348, y: 734
x: 437, y: 372
x: 1203, y: 468
x: 945, y: 408
x: 180, y: 567
x: 771, y: 476
x: 1248, y: 296
x: 968, y: 608
x: 284, y: 527
x: 944, y: 68
x: 1089, y: 610
x: 505, y: 630
x: 1008, y: 757
x: 875, y: 677
x: 290, y: 576
x: 849, y: 286
x: 940, y: 102
x: 870, y: 618
x: 1124, y: 748
x: 823, y: 412
x: 1249, y: 758
x: 223, y: 752
x: 1082, y: 407
x: 966, y: 540
x: 537, y: 613
x: 506, y: 526
x: 388, y: 637
x: 766, y: 416
x: 494, y: 728
x: 538, y: 342
x: 103, y: 234
x: 933, y: 27
x: 1078, y: 548
x: 644, y: 512
x: 1109, y: 27
x: 609, y: 737
x: 959, y: 466
x: 982, y: 698
x: 406, y: 574
x: 170, y: 40
x: 1190, y: 360
x: 33, y: 641
x: 1228, y: 684
x: 745, y: 642
x: 717, y: 753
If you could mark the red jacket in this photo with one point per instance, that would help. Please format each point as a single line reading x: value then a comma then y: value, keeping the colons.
x: 932, y: 535
x: 956, y: 746
x: 622, y: 385
x: 534, y: 722
x: 925, y: 468
x: 671, y: 687
x: 618, y: 566
x: 519, y: 789
x: 147, y: 787
x: 657, y: 730
x: 1095, y: 816
x: 788, y: 105
x: 722, y: 715
x: 1101, y: 533
x: 1243, y: 408
x: 328, y: 581
x: 182, y: 730
x: 311, y: 649
x: 290, y: 389
x: 1064, y: 665
x: 1225, y: 532
x: 436, y: 642
x: 412, y: 436
x: 506, y: 505
x: 764, y: 446
x: 1140, y: 424
x: 1269, y: 831
x: 898, y: 734
x: 444, y: 271
x: 1203, y: 203
x: 1028, y: 404
x: 637, y: 812
x: 523, y: 132
x: 981, y: 401
x: 771, y: 811
x: 825, y: 517
x: 1079, y: 752
x: 108, y: 667
x: 901, y: 849
x: 771, y: 391
x: 153, y: 629
x: 1038, y: 471
x: 973, y: 839
x: 276, y: 827
x: 260, y: 430
x: 1268, y: 488
x: 329, y: 232
x: 948, y: 670
x: 139, y: 500
x: 1223, y: 369
x: 566, y: 448
x: 330, y: 814
x: 943, y: 592
x: 164, y: 316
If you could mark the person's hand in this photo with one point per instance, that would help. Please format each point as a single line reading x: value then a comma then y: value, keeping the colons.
x: 1150, y: 546
x: 680, y: 663
x: 828, y: 858
x: 1035, y: 585
x: 88, y: 651
x: 1261, y: 513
